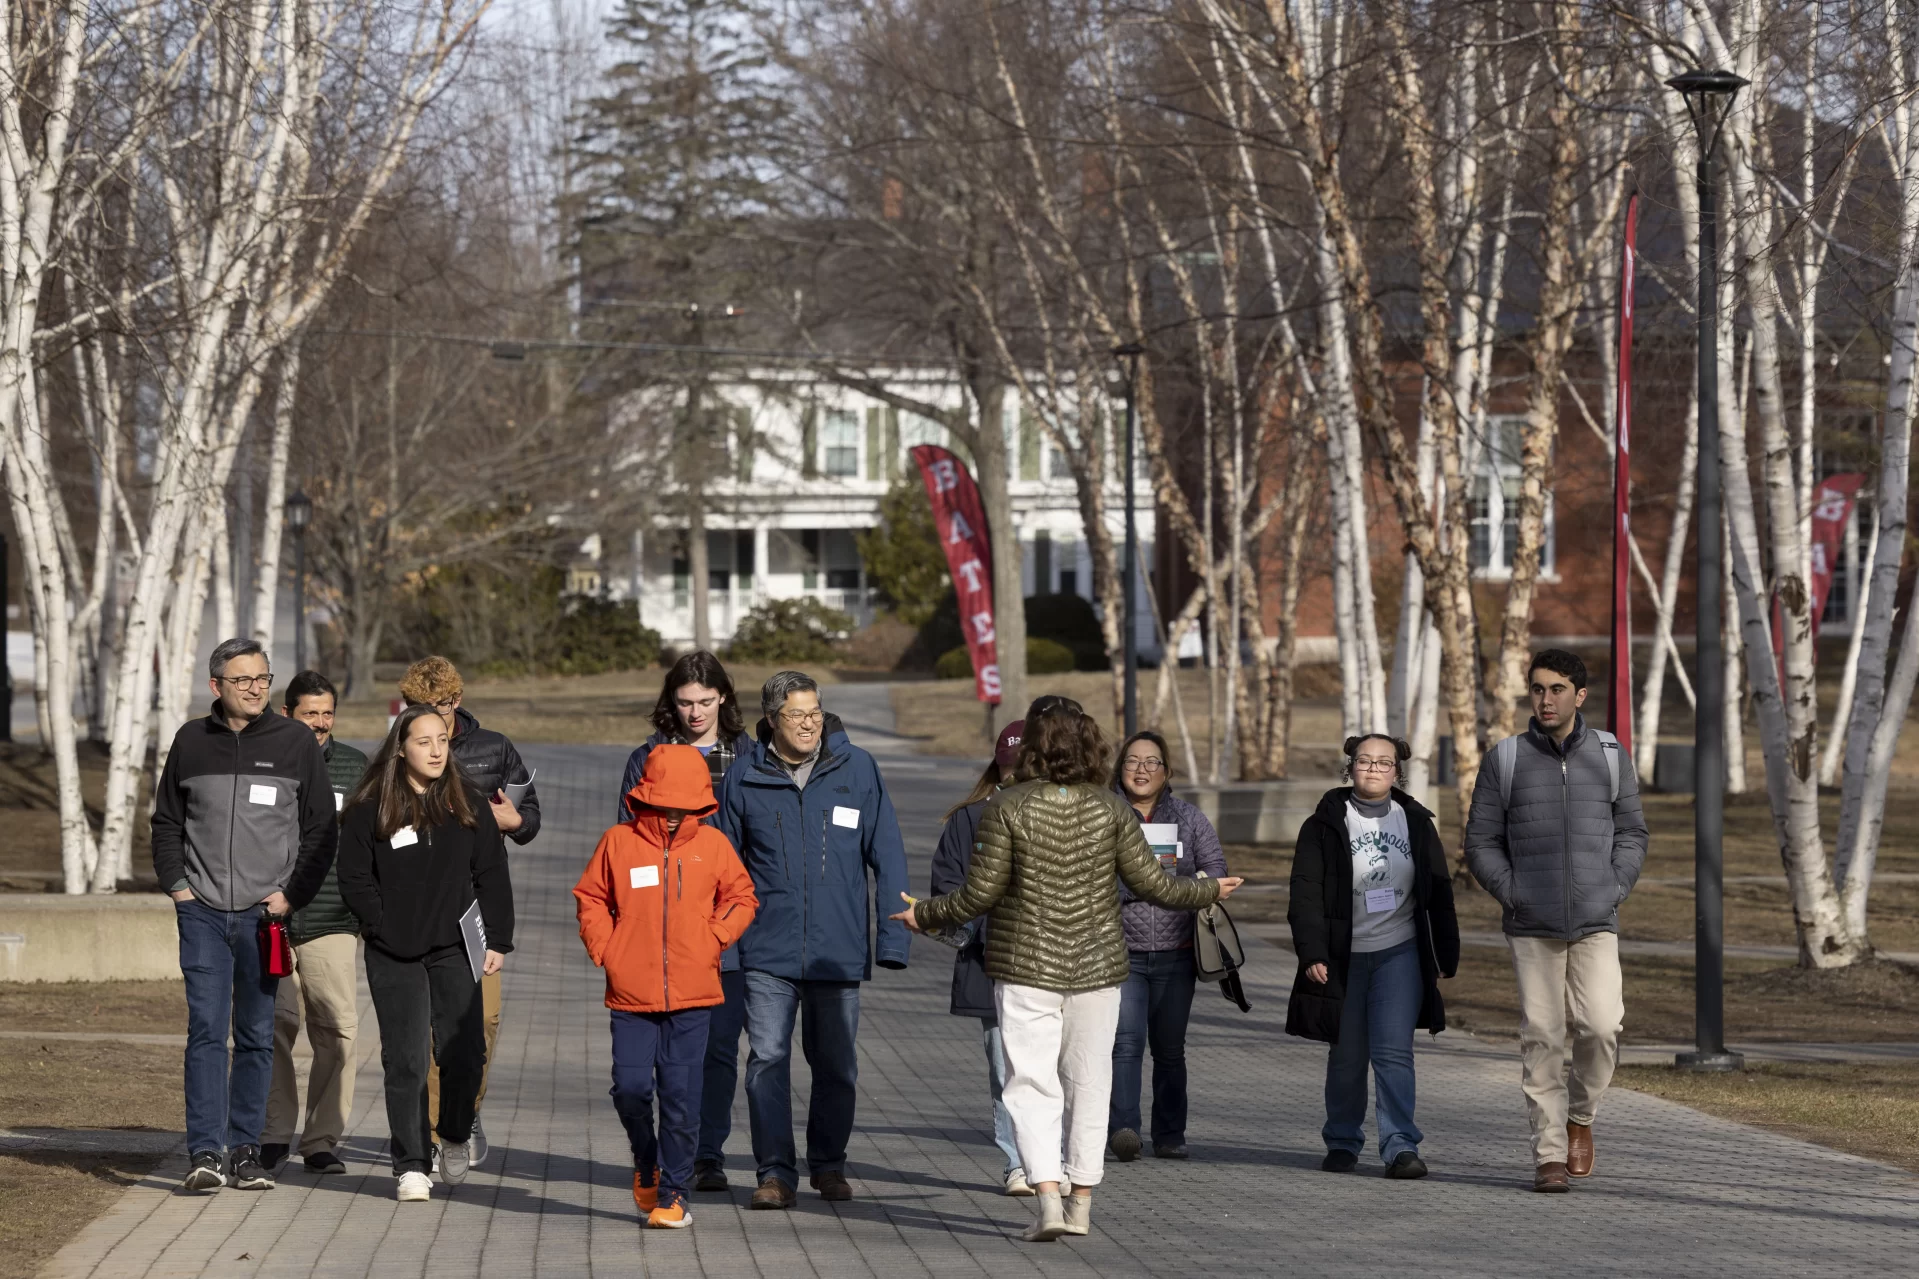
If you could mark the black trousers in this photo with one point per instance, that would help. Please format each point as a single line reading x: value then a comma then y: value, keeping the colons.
x: 429, y: 1009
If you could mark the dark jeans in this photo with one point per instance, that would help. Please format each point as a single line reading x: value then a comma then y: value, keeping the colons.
x: 429, y: 1009
x: 1154, y: 1006
x: 720, y: 1077
x: 827, y: 1037
x: 1383, y: 992
x: 660, y: 1054
x: 220, y: 959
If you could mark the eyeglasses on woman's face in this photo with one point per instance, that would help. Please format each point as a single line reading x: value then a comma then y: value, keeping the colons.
x: 1144, y: 764
x: 1366, y: 764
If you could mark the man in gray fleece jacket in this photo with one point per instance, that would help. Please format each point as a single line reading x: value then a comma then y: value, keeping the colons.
x: 1557, y: 836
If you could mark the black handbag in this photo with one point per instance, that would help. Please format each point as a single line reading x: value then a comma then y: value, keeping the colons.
x: 1218, y: 954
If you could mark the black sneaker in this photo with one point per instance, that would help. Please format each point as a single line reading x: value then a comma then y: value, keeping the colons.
x: 273, y: 1154
x: 1170, y: 1150
x: 248, y: 1172
x: 1124, y: 1144
x: 709, y: 1175
x: 1406, y: 1166
x: 1339, y: 1161
x: 325, y: 1161
x: 208, y: 1174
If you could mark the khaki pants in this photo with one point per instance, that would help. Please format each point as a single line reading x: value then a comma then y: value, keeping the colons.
x: 323, y: 992
x: 490, y: 999
x: 1571, y: 1003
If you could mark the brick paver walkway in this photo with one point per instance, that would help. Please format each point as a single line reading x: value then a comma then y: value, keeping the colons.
x: 1675, y: 1191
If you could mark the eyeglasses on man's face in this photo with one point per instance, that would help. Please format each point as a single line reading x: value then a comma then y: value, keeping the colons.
x: 803, y: 718
x: 247, y: 683
x: 1364, y: 765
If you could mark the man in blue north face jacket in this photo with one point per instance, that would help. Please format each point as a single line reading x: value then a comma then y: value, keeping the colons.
x: 810, y: 816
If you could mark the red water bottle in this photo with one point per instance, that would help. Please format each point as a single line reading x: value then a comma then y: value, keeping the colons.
x: 276, y: 952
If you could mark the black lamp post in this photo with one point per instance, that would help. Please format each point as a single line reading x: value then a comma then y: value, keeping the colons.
x: 6, y: 672
x: 1709, y: 96
x: 299, y: 515
x: 1130, y: 353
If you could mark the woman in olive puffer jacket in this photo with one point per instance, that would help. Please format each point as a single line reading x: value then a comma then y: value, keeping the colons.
x: 1050, y: 855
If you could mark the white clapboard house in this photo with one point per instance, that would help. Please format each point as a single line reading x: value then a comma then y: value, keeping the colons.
x: 806, y: 463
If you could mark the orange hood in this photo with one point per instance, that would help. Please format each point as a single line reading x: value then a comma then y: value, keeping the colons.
x: 675, y: 777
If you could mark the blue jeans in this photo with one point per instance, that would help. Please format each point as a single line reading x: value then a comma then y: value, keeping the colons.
x: 220, y: 959
x: 720, y: 1077
x: 1383, y: 992
x: 660, y: 1054
x: 1154, y: 1007
x: 996, y: 1078
x: 827, y: 1035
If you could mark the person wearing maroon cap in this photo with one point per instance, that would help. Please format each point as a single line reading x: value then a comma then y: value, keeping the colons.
x: 972, y: 988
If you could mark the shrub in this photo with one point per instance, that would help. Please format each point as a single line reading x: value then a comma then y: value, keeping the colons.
x: 1068, y: 620
x: 791, y: 631
x: 492, y: 621
x: 1043, y: 657
x: 902, y: 554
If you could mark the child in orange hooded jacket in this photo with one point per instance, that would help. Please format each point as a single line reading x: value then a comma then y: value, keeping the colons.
x: 662, y: 897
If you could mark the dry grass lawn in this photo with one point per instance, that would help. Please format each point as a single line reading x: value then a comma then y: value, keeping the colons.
x: 48, y: 1083
x: 1870, y: 1110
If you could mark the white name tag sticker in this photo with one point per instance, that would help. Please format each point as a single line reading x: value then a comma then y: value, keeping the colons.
x: 403, y: 838
x: 1380, y: 899
x: 339, y: 800
x: 645, y: 876
x: 258, y: 794
x: 847, y: 817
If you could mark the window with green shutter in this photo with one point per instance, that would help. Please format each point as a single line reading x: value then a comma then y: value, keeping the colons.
x: 809, y: 442
x: 1029, y: 441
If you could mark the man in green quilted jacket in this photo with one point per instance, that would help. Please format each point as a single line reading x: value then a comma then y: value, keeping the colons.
x: 322, y: 989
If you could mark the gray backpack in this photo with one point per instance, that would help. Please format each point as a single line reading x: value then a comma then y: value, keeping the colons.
x: 1506, y: 754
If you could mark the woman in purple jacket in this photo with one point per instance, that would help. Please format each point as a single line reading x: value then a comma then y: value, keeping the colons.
x: 1157, y: 999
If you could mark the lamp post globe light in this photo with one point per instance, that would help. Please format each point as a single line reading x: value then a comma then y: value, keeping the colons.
x: 1129, y: 643
x: 299, y: 515
x: 1709, y: 96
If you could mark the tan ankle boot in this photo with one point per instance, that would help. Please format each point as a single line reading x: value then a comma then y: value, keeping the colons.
x: 1052, y: 1219
x: 1079, y: 1214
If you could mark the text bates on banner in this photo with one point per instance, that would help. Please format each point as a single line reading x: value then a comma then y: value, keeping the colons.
x: 961, y: 522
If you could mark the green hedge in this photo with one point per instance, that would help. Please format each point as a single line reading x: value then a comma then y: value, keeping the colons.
x: 790, y: 630
x: 1043, y: 657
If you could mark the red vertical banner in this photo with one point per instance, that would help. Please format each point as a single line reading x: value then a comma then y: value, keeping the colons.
x: 1619, y: 698
x: 961, y: 522
x: 1831, y: 512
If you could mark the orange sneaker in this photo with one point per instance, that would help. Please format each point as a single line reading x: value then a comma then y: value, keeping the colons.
x: 671, y: 1215
x: 646, y: 1189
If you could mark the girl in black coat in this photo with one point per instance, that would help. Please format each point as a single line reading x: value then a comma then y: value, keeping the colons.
x: 1374, y: 929
x: 418, y: 848
x: 972, y: 988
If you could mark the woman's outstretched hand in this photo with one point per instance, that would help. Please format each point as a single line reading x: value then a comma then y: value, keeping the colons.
x: 1227, y: 884
x: 906, y: 916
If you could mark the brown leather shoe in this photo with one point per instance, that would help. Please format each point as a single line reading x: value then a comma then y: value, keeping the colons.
x: 832, y: 1185
x: 774, y: 1193
x: 1579, y: 1150
x: 1548, y: 1179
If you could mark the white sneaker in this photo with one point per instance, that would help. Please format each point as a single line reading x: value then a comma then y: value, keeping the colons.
x: 476, y: 1144
x: 1016, y: 1185
x: 453, y: 1163
x: 414, y: 1188
x: 1078, y: 1213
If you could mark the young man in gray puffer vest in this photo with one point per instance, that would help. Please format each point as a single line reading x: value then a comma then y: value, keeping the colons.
x: 1557, y: 836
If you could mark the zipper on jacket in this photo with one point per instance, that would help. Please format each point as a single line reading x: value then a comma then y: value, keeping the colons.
x: 666, y: 916
x: 1566, y: 837
x: 823, y: 818
x: 233, y: 810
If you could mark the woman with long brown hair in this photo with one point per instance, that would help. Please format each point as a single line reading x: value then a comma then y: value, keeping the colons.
x: 417, y: 850
x: 1051, y: 852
